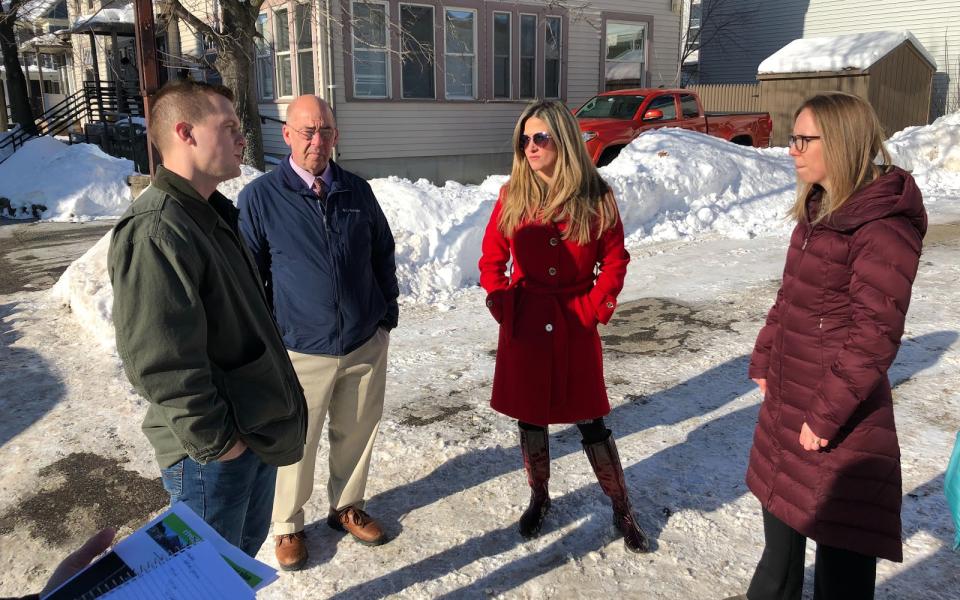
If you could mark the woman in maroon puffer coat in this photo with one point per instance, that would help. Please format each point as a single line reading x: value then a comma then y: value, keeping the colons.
x: 825, y: 462
x: 557, y: 221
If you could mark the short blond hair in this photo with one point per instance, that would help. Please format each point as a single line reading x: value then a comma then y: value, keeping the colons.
x: 852, y: 139
x: 181, y: 101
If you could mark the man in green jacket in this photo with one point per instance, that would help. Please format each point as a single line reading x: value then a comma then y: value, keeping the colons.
x: 194, y: 330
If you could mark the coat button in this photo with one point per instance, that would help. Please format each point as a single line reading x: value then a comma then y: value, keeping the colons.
x: 609, y: 304
x: 552, y: 271
x: 549, y: 327
x: 554, y: 241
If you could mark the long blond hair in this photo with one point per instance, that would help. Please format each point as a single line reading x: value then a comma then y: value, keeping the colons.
x: 852, y: 139
x: 577, y: 195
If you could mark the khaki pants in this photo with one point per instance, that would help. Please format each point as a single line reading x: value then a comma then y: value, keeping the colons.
x: 351, y: 388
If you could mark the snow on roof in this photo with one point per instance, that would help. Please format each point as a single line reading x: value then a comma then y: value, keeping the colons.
x: 47, y: 40
x: 124, y: 14
x: 856, y: 51
x: 32, y: 9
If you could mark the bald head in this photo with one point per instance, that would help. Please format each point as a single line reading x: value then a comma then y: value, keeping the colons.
x: 311, y: 133
x: 307, y: 107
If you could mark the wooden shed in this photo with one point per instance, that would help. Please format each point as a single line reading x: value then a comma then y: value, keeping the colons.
x: 890, y: 69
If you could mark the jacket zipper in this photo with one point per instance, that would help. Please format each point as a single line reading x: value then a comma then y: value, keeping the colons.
x: 331, y: 248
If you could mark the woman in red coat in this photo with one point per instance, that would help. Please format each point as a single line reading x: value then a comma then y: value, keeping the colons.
x: 558, y: 222
x: 825, y: 462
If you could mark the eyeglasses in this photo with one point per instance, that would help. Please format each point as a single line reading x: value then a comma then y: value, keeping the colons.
x: 326, y: 133
x: 540, y: 140
x: 800, y: 141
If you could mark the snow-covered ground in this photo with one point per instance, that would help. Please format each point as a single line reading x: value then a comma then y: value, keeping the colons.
x: 704, y: 220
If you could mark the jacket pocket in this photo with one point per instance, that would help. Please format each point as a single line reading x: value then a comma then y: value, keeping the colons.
x: 259, y: 393
x: 586, y: 312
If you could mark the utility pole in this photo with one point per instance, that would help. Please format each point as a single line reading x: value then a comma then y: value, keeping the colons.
x: 146, y: 42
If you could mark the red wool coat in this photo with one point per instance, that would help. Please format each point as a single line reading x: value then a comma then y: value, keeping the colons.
x: 825, y: 350
x: 549, y: 360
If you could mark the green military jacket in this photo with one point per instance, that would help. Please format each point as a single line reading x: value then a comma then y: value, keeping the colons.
x: 194, y: 331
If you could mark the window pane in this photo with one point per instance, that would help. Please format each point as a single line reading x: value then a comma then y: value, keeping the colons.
x: 625, y: 55
x: 262, y: 43
x: 624, y: 40
x: 527, y: 74
x: 688, y: 104
x: 552, y: 58
x: 459, y: 32
x: 305, y: 72
x: 528, y: 56
x: 265, y: 77
x: 666, y: 105
x: 304, y: 27
x: 370, y: 25
x: 370, y: 73
x: 284, y: 75
x: 528, y: 35
x: 417, y: 65
x: 501, y: 55
x: 459, y: 76
x: 501, y: 34
x: 281, y: 31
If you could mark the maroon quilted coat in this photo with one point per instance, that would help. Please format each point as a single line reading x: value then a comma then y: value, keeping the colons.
x: 549, y: 359
x: 825, y: 350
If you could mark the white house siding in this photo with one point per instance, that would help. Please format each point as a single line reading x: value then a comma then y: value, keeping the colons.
x: 765, y: 27
x: 190, y: 43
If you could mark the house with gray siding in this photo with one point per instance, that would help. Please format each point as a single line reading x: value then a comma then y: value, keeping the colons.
x: 733, y: 54
x: 433, y: 88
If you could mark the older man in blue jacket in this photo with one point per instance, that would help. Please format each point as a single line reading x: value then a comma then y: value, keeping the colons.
x: 326, y: 254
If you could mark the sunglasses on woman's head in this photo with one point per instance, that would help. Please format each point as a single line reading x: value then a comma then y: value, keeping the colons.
x: 540, y: 139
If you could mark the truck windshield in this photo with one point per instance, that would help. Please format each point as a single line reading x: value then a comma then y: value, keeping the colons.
x: 610, y: 107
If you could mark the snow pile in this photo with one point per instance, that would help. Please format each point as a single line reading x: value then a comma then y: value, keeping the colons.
x: 85, y: 288
x: 672, y: 183
x: 231, y: 188
x: 78, y: 182
x: 437, y: 231
x: 838, y: 53
x: 932, y: 154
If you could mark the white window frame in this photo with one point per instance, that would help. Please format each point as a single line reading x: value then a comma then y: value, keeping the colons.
x: 278, y: 53
x: 386, y: 50
x: 560, y: 33
x: 493, y: 54
x: 433, y: 29
x: 447, y: 53
x: 536, y: 54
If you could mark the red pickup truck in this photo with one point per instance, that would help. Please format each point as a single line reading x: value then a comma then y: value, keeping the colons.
x: 611, y: 120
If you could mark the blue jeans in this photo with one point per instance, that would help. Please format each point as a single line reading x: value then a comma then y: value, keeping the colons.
x: 235, y: 497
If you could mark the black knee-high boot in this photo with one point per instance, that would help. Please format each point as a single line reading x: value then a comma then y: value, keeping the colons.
x: 536, y: 461
x: 606, y: 465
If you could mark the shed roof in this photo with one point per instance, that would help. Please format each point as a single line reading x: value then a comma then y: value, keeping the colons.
x: 853, y: 52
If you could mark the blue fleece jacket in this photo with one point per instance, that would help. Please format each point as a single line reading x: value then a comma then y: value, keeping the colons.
x: 328, y: 265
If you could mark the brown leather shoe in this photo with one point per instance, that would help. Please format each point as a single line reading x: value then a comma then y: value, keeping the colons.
x: 291, y: 550
x: 358, y: 524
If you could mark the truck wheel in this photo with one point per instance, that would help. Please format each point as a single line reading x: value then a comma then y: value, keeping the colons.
x: 742, y: 140
x: 608, y: 155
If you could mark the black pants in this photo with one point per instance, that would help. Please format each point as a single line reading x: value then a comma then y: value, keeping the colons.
x: 840, y: 574
x: 591, y: 431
